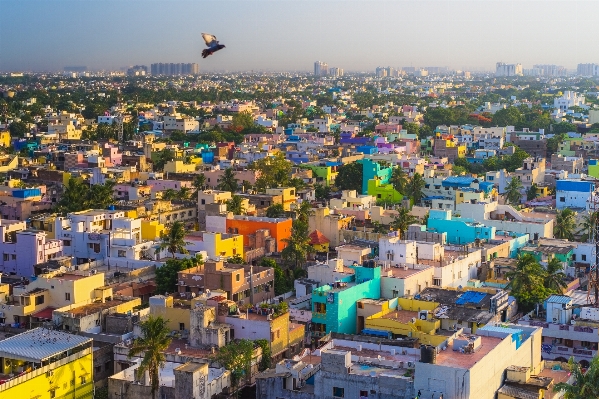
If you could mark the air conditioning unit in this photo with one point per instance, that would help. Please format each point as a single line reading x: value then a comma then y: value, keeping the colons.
x: 410, y: 364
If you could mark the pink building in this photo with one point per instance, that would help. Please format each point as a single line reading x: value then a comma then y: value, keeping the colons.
x: 387, y: 128
x: 161, y: 185
x: 22, y: 249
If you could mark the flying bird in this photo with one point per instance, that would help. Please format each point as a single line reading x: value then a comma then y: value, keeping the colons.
x: 212, y: 44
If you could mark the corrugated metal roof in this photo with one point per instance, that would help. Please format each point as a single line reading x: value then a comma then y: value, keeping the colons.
x: 39, y: 344
x: 559, y: 299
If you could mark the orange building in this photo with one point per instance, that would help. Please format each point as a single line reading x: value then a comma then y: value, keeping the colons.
x: 280, y: 228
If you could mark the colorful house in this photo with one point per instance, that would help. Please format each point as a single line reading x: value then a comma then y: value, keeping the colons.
x: 384, y: 192
x: 372, y: 170
x: 216, y: 245
x: 279, y: 228
x: 459, y: 230
x: 319, y: 242
x: 334, y: 306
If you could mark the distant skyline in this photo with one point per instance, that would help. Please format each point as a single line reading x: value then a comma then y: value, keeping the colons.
x: 289, y: 35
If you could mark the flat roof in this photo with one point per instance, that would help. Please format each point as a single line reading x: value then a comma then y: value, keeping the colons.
x: 460, y: 360
x: 39, y: 344
x: 95, y: 307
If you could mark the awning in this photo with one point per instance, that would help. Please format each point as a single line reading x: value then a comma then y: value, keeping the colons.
x: 45, y: 313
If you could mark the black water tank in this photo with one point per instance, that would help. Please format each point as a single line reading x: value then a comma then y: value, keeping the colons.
x: 432, y: 354
x: 424, y: 354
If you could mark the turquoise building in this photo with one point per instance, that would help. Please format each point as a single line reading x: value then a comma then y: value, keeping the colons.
x: 459, y: 230
x: 334, y: 306
x: 372, y: 170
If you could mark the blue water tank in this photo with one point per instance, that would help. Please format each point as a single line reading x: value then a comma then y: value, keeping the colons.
x: 111, y: 207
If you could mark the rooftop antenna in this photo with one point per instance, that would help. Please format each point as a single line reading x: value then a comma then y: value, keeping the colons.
x: 118, y: 119
x: 594, y: 274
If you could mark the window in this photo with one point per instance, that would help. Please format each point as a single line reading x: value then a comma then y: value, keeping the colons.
x: 437, y: 282
x: 238, y: 277
x: 338, y: 392
x: 39, y: 299
x: 67, y: 296
x: 13, y: 257
x: 181, y: 326
x: 121, y: 253
x: 203, y: 202
x: 5, y: 257
x: 66, y: 243
x: 583, y: 257
x: 363, y: 394
x: 52, y: 393
x: 82, y: 379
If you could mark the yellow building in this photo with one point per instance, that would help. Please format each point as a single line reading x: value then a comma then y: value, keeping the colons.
x: 177, y: 166
x: 287, y: 194
x: 408, y: 322
x: 215, y: 244
x: 151, y: 229
x: 46, y: 364
x: 5, y: 138
x: 35, y: 302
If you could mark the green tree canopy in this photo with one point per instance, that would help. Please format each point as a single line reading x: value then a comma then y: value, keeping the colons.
x: 586, y: 385
x: 510, y: 116
x: 80, y: 196
x: 349, y: 177
x: 275, y: 211
x: 274, y: 172
x: 166, y: 275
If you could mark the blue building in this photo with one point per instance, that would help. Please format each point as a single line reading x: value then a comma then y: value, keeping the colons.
x: 459, y: 230
x: 334, y: 306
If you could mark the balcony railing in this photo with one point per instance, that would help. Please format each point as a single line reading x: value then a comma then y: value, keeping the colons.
x: 42, y: 370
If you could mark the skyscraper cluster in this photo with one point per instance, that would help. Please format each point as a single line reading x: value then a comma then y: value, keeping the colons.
x: 587, y: 70
x: 171, y: 69
x: 503, y: 69
x: 322, y: 69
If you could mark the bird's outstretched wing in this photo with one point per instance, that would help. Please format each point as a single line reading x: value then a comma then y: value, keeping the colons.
x: 209, y: 39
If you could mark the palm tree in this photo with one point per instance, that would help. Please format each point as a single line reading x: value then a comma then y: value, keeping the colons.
x: 275, y: 211
x: 555, y: 279
x: 589, y: 221
x: 586, y: 385
x: 198, y: 183
x: 173, y: 241
x: 304, y: 211
x: 154, y: 341
x: 228, y: 182
x: 399, y: 179
x: 298, y: 244
x: 235, y: 205
x: 414, y: 188
x: 183, y: 193
x: 513, y: 191
x: 169, y: 194
x: 565, y: 222
x: 402, y: 221
x: 531, y: 193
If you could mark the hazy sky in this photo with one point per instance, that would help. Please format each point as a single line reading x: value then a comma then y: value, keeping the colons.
x: 290, y: 35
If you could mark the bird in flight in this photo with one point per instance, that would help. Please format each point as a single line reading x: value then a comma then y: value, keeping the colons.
x: 212, y: 44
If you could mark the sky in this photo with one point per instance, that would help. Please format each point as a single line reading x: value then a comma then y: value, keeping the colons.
x: 286, y: 35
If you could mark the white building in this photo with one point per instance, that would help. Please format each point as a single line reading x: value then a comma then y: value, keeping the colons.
x: 100, y: 234
x: 567, y: 100
x: 503, y: 69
